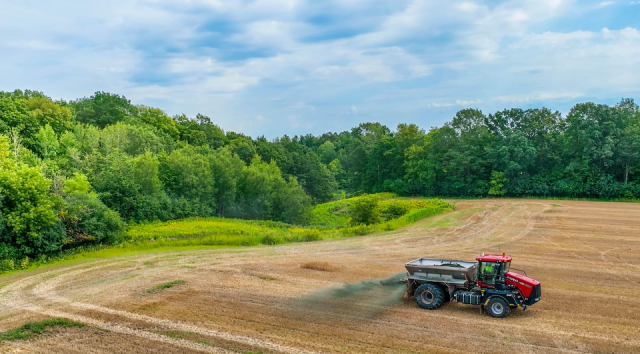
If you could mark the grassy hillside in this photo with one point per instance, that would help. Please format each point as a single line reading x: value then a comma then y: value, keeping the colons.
x: 336, y: 214
x: 329, y: 220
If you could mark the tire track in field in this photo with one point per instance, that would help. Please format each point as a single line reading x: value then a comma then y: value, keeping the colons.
x: 117, y: 328
x: 44, y: 293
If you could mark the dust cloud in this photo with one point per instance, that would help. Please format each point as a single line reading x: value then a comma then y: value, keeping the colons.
x: 368, y: 298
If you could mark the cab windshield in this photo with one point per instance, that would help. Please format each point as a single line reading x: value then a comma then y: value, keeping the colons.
x: 505, y: 268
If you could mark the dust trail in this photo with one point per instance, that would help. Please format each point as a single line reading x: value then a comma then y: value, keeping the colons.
x: 368, y: 298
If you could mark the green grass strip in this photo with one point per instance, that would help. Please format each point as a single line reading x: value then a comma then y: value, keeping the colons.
x: 29, y: 329
x: 165, y: 286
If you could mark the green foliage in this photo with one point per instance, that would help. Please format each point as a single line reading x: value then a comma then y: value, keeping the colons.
x: 394, y: 224
x: 7, y: 265
x: 103, y: 109
x: 337, y: 213
x: 85, y: 217
x: 158, y: 119
x: 168, y: 285
x: 393, y: 209
x: 28, y: 330
x: 327, y: 152
x: 296, y: 160
x: 47, y: 142
x: 27, y: 205
x: 14, y: 114
x: 264, y: 194
x: 227, y: 169
x: 365, y: 210
x: 200, y: 132
x: 187, y: 174
x: 46, y: 112
x: 498, y: 180
x: 243, y: 148
x: 78, y: 184
x: 24, y: 263
x: 132, y: 140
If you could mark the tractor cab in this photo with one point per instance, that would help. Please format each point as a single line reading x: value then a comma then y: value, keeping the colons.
x: 492, y: 269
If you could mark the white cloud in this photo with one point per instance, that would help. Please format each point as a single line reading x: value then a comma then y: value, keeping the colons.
x: 304, y: 61
x: 552, y: 39
x: 606, y: 3
x: 301, y: 106
x: 456, y: 103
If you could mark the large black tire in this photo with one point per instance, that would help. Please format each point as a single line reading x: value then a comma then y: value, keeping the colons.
x: 429, y: 296
x: 498, y: 307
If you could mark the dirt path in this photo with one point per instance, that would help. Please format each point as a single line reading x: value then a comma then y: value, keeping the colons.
x: 586, y: 254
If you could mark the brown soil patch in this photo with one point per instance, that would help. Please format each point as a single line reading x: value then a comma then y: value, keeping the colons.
x: 320, y: 266
x: 260, y: 299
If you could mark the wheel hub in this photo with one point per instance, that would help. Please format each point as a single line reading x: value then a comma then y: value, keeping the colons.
x: 427, y: 297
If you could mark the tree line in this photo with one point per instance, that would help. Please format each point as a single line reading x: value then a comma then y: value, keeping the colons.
x: 75, y: 172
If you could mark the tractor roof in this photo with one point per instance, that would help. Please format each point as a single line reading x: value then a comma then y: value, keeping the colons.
x: 493, y: 258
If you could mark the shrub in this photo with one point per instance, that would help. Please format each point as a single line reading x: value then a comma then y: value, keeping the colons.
x: 24, y: 263
x: 498, y: 180
x: 365, y: 210
x: 311, y: 235
x: 393, y: 209
x: 359, y: 230
x: 7, y: 265
x: 269, y: 240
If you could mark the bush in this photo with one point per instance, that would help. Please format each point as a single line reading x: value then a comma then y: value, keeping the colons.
x: 337, y: 213
x: 85, y: 217
x: 269, y: 240
x: 311, y: 235
x: 365, y: 210
x: 393, y: 209
x: 498, y: 180
x: 88, y: 220
x: 7, y: 265
x: 24, y: 263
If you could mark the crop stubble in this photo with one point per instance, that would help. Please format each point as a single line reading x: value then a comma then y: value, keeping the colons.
x: 586, y: 254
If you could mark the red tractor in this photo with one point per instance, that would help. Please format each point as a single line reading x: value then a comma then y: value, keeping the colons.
x: 485, y: 282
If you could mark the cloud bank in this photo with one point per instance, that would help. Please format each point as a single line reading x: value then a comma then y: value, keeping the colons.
x: 273, y: 67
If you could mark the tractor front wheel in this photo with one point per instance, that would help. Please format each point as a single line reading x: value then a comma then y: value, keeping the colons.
x: 498, y: 307
x: 429, y: 296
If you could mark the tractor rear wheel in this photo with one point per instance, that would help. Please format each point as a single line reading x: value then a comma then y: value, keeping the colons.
x: 498, y: 307
x: 429, y: 296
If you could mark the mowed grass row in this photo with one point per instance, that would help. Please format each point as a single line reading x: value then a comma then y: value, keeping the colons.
x: 215, y: 231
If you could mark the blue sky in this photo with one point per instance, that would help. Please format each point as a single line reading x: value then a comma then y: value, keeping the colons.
x: 274, y: 67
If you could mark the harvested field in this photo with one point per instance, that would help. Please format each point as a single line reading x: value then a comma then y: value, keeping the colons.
x: 260, y: 299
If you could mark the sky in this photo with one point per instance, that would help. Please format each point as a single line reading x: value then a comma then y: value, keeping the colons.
x: 275, y: 67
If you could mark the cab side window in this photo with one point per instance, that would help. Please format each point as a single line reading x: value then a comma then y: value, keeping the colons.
x: 487, y: 272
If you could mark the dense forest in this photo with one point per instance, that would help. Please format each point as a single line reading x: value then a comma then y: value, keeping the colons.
x: 75, y: 173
